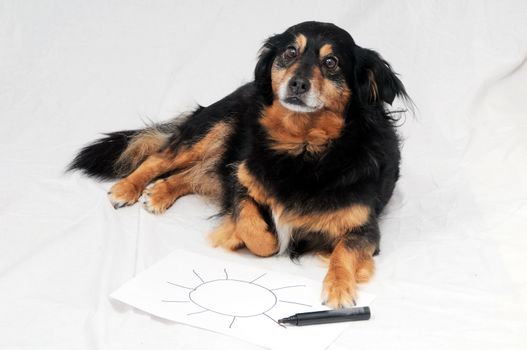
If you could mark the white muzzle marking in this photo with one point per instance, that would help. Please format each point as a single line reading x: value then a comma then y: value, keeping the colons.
x: 311, y: 100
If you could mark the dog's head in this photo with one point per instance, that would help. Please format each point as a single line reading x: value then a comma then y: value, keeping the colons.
x: 314, y: 66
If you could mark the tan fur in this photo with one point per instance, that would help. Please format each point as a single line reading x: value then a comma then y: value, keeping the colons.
x: 202, y: 176
x: 334, y: 223
x: 294, y: 133
x: 254, y: 187
x: 124, y: 193
x: 196, y: 161
x: 210, y: 145
x: 281, y: 75
x: 225, y: 235
x: 140, y: 147
x: 347, y: 267
x: 325, y: 50
x: 249, y: 229
x: 128, y: 190
x: 301, y: 42
x: 335, y: 98
x: 323, y: 258
x: 159, y: 196
x: 200, y: 179
x: 253, y: 230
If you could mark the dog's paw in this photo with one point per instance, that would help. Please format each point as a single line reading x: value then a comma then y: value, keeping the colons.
x: 123, y: 193
x: 229, y: 243
x: 339, y: 292
x: 157, y: 197
x: 263, y: 244
x: 224, y: 236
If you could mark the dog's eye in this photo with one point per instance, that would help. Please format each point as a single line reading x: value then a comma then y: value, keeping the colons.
x: 330, y: 62
x: 291, y: 52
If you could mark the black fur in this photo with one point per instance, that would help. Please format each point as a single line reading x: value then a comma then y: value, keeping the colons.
x: 360, y: 167
x: 388, y: 85
x: 98, y: 158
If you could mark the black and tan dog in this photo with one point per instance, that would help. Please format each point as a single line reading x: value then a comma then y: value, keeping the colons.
x: 302, y: 159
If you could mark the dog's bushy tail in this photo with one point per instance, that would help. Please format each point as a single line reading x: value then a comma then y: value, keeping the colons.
x: 119, y: 153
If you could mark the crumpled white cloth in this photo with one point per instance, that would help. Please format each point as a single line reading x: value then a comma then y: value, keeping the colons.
x: 451, y: 273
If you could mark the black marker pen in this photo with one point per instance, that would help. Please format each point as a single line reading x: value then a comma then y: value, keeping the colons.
x: 328, y: 316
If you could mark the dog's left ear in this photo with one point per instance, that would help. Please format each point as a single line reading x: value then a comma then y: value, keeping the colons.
x: 262, y: 71
x: 376, y: 80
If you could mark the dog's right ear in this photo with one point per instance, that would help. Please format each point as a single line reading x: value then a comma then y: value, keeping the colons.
x: 262, y: 72
x: 377, y: 82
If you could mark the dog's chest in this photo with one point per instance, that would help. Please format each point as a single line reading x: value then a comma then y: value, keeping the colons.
x: 284, y: 231
x: 294, y: 133
x: 332, y: 224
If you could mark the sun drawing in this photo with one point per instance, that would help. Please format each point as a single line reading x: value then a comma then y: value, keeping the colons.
x: 233, y: 298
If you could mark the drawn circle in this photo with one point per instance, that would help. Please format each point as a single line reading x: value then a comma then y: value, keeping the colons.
x: 233, y: 298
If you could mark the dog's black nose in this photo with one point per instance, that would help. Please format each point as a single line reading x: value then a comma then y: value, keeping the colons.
x: 298, y: 86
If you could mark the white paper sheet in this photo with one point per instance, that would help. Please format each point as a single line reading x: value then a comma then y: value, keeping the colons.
x: 225, y: 297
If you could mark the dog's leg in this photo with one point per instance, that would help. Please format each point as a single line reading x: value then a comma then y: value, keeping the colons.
x: 351, y: 262
x: 254, y: 231
x: 247, y: 229
x: 225, y: 235
x: 161, y: 194
x: 127, y: 191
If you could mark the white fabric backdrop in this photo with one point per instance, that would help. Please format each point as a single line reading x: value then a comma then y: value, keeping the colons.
x: 451, y: 273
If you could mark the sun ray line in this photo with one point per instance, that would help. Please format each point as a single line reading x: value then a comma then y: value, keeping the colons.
x: 272, y: 319
x: 177, y: 285
x: 197, y: 312
x: 298, y: 285
x: 294, y: 302
x: 175, y: 301
x: 233, y: 318
x: 226, y: 274
x: 257, y: 278
x: 198, y: 276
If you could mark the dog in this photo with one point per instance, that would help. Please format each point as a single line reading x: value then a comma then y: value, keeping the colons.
x: 302, y: 159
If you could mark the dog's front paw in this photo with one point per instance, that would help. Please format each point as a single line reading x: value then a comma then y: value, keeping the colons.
x: 339, y: 291
x: 123, y: 193
x: 262, y: 244
x: 225, y: 236
x: 157, y: 197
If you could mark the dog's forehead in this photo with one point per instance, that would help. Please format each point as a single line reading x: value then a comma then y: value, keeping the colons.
x: 320, y: 37
x: 317, y: 46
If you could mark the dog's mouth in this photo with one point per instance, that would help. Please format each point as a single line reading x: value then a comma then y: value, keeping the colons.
x: 296, y: 104
x: 295, y: 101
x: 306, y: 102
